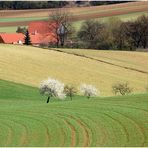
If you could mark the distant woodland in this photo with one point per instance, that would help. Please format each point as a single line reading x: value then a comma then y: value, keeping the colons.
x: 14, y: 5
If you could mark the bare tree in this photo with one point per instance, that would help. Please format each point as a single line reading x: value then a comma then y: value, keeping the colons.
x: 60, y: 19
x: 121, y: 88
x: 138, y: 31
x: 90, y: 33
x: 70, y: 90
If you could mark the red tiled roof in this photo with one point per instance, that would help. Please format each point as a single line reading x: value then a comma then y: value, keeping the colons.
x: 49, y: 38
x: 10, y: 38
x: 36, y: 38
x: 42, y: 32
x: 41, y: 27
x: 46, y: 38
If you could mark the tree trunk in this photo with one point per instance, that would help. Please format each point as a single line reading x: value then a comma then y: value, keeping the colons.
x: 62, y: 40
x: 88, y: 96
x: 57, y: 43
x: 48, y: 99
x: 71, y: 98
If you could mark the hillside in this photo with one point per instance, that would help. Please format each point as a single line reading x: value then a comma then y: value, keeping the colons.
x: 27, y: 120
x: 10, y: 19
x: 30, y: 65
x: 124, y: 59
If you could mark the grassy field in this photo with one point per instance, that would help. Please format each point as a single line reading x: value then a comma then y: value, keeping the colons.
x: 27, y: 120
x: 18, y: 19
x: 31, y: 65
x: 11, y: 29
x: 120, y: 58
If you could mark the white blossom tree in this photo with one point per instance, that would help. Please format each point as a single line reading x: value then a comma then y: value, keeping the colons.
x: 88, y: 90
x: 52, y: 88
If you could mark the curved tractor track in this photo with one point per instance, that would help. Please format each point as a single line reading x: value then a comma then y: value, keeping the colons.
x: 103, y: 123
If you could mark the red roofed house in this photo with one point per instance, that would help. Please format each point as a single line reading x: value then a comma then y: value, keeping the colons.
x: 41, y: 27
x: 12, y: 38
x: 41, y: 32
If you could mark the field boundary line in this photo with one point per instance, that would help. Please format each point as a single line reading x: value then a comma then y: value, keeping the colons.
x: 102, y: 61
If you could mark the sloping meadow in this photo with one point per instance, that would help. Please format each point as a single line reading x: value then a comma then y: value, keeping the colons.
x: 30, y: 65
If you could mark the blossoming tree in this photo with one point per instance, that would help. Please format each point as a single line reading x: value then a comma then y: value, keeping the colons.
x: 52, y: 88
x: 88, y: 90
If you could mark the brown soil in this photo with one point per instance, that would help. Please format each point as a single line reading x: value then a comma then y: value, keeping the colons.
x: 44, y: 12
x: 131, y: 7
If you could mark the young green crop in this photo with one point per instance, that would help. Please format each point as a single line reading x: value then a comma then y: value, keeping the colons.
x: 26, y: 120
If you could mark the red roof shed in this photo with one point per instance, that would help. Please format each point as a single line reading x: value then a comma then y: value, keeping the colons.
x: 12, y: 38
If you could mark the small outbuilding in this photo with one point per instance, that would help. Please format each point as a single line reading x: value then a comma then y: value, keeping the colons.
x: 12, y: 38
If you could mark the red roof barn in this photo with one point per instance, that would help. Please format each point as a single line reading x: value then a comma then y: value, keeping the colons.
x: 41, y: 27
x: 12, y: 38
x: 42, y: 32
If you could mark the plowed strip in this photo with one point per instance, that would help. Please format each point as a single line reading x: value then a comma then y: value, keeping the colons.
x: 79, y: 17
x: 42, y: 12
x: 86, y: 134
x: 73, y: 133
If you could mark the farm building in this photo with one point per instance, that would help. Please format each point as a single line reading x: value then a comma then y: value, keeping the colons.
x: 40, y: 33
x: 12, y: 38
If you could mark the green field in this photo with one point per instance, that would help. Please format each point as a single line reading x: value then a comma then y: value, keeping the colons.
x: 18, y: 19
x: 9, y: 29
x: 27, y: 120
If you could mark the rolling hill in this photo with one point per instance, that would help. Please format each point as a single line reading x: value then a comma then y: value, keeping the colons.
x: 106, y: 120
x: 27, y: 120
x: 30, y: 65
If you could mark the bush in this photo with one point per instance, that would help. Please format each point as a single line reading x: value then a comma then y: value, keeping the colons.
x: 88, y: 90
x: 121, y: 88
x: 70, y: 91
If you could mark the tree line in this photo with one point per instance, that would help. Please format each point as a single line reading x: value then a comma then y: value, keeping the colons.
x: 31, y: 4
x: 115, y: 34
x: 53, y: 88
x: 49, y: 4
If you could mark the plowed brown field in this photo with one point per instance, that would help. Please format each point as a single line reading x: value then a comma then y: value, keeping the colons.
x: 81, y: 13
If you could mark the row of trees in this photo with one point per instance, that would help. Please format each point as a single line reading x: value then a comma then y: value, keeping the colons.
x: 115, y: 34
x: 31, y: 4
x: 54, y: 88
x: 48, y: 4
